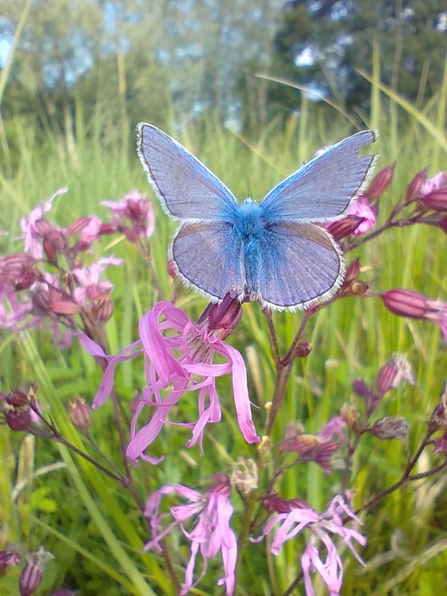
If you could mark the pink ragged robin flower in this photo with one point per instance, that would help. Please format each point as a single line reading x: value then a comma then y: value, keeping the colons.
x: 318, y: 448
x: 133, y: 215
x: 205, y: 522
x: 29, y: 224
x: 361, y: 208
x: 296, y: 515
x: 436, y: 182
x: 179, y: 356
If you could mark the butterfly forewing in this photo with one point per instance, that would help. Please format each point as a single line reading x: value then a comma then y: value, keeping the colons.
x: 302, y: 267
x: 209, y: 257
x: 322, y: 189
x: 186, y: 188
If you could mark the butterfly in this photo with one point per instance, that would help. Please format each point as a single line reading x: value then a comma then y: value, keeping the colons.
x: 272, y: 251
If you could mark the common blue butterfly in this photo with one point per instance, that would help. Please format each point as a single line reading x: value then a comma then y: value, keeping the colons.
x: 272, y: 251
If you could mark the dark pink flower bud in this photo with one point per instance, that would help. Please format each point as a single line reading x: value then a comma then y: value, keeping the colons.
x: 302, y: 350
x: 436, y: 200
x: 371, y: 399
x: 275, y: 503
x: 171, y: 270
x: 440, y: 445
x: 222, y: 319
x: 414, y: 188
x: 17, y: 399
x: 42, y: 299
x: 78, y: 225
x: 50, y: 250
x: 63, y: 307
x: 16, y: 410
x: 80, y: 414
x: 345, y: 227
x: 130, y: 234
x: 390, y: 427
x: 108, y: 228
x: 43, y: 227
x: 438, y: 419
x: 25, y: 280
x: 405, y: 303
x: 393, y: 373
x: 9, y: 558
x: 380, y: 182
x: 352, y: 272
x: 31, y: 576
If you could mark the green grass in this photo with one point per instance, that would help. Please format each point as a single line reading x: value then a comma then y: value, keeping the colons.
x: 88, y: 522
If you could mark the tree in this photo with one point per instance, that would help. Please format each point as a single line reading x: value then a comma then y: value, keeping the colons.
x: 323, y: 42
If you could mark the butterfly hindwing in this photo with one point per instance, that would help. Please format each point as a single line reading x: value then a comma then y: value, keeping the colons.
x: 186, y: 188
x: 323, y: 188
x: 302, y: 267
x: 210, y: 258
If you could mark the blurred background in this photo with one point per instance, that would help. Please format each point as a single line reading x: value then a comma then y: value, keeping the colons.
x: 174, y: 61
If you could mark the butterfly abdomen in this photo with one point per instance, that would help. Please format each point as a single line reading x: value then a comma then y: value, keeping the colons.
x: 251, y: 229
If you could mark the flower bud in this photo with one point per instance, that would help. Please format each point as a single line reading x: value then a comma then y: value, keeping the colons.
x: 222, y: 318
x: 405, y: 303
x: 172, y: 270
x: 63, y: 307
x: 380, y: 182
x: 440, y: 445
x: 436, y: 200
x: 351, y: 417
x: 303, y: 349
x: 275, y: 503
x: 244, y: 476
x: 344, y: 227
x: 393, y: 373
x: 9, y: 558
x: 31, y: 576
x: 438, y: 419
x: 25, y: 280
x: 78, y: 225
x: 107, y: 228
x: 352, y: 271
x: 390, y: 427
x: 358, y: 288
x: 16, y: 410
x: 80, y: 414
x: 414, y: 188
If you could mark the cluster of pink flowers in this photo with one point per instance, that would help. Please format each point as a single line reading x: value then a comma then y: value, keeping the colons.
x: 174, y: 361
x: 49, y: 280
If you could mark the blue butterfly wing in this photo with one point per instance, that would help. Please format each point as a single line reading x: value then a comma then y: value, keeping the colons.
x: 209, y: 257
x: 186, y: 188
x: 301, y: 267
x: 323, y: 188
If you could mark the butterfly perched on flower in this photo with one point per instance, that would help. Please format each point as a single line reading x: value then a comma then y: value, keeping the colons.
x: 272, y: 251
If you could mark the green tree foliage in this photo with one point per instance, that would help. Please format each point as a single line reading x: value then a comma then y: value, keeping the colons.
x: 322, y: 42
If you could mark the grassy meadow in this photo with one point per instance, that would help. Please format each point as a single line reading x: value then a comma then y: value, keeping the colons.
x: 89, y: 523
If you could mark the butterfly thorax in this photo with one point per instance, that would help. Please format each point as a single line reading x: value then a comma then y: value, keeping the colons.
x: 249, y: 225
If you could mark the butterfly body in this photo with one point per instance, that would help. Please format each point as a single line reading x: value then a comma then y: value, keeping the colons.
x: 272, y: 251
